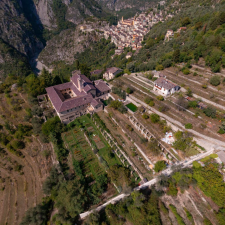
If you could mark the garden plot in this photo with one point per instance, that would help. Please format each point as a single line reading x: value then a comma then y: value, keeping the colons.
x: 98, y: 142
x: 132, y: 107
x: 82, y: 152
x: 96, y: 138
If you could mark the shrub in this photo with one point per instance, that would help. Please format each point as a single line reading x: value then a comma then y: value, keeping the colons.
x: 159, y: 67
x: 129, y: 127
x: 195, y: 74
x: 185, y: 21
x: 18, y: 144
x: 196, y: 164
x: 151, y: 103
x: 210, y: 112
x: 159, y: 166
x: 186, y: 71
x: 204, y: 86
x: 147, y: 100
x: 192, y: 104
x: 167, y: 63
x: 149, y: 76
x: 154, y: 147
x: 129, y: 90
x: 188, y: 126
x: 163, y: 108
x: 172, y: 189
x: 221, y: 131
x: 145, y: 116
x: 189, y: 92
x: 154, y: 118
x: 144, y: 140
x: 160, y: 98
x: 215, y: 80
x: 183, y: 141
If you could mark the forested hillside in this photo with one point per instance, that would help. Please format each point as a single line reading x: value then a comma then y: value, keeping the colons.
x: 204, y: 38
x: 167, y: 205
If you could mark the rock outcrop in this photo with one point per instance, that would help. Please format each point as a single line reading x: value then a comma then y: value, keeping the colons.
x: 16, y: 30
x: 64, y: 46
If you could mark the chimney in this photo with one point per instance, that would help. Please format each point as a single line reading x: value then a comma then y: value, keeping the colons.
x: 80, y: 85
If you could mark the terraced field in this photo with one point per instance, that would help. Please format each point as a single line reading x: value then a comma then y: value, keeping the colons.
x: 81, y: 151
x: 22, y: 189
x: 21, y: 178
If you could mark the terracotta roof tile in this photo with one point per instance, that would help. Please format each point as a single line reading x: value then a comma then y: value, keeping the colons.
x: 162, y: 82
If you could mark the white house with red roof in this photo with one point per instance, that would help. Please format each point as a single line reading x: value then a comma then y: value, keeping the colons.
x: 165, y: 87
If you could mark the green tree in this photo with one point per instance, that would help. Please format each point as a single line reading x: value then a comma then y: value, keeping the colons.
x: 71, y: 198
x: 154, y: 118
x: 210, y: 112
x: 52, y: 125
x: 188, y: 126
x: 18, y: 144
x: 154, y: 146
x: 185, y: 21
x: 147, y: 100
x: 129, y: 90
x: 215, y: 80
x: 159, y: 166
x: 84, y: 69
x: 46, y: 77
x: 189, y: 92
x: 77, y: 64
x: 176, y: 56
x: 116, y: 104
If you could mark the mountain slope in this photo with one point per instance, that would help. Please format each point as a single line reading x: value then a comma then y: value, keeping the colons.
x: 16, y: 30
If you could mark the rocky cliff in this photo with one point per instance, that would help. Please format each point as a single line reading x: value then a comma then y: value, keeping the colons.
x: 117, y: 5
x: 16, y: 30
x: 64, y: 46
x: 26, y: 25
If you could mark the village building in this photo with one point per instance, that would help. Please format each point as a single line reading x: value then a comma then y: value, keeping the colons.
x: 77, y: 97
x: 132, y: 30
x: 129, y: 55
x: 181, y: 29
x: 169, y: 35
x: 111, y: 73
x: 96, y: 72
x: 165, y: 87
x: 158, y: 74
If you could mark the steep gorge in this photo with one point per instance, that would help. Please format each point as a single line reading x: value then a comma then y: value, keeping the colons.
x: 27, y: 25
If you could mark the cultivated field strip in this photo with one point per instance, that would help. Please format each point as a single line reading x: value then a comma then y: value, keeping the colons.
x: 11, y: 209
x: 15, y: 200
x: 142, y: 84
x: 197, y: 89
x: 5, y: 196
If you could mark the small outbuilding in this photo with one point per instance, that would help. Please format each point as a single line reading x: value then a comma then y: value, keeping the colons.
x: 111, y: 73
x: 129, y: 55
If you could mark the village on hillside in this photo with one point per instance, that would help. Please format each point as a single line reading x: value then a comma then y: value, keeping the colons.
x: 131, y: 32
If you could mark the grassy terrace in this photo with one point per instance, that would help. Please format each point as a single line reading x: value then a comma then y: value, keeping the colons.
x: 82, y: 152
x: 99, y: 141
x: 132, y: 107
